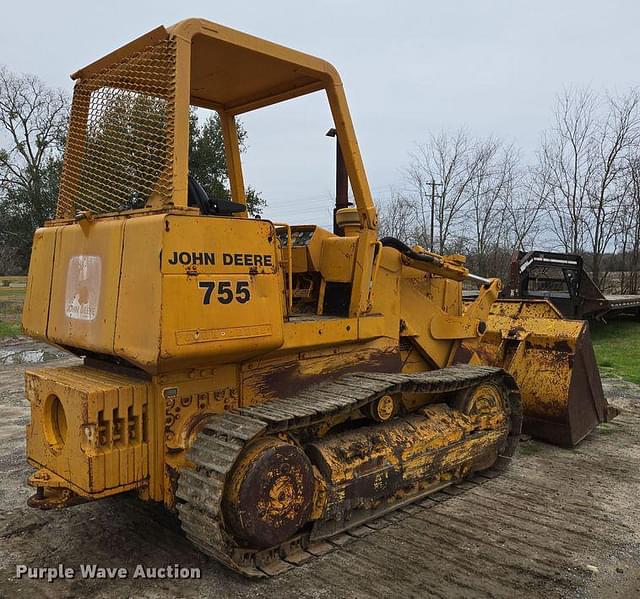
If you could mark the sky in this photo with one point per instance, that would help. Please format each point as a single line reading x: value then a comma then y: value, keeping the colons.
x: 409, y: 68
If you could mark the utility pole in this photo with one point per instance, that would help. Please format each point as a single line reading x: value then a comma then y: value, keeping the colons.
x: 433, y: 211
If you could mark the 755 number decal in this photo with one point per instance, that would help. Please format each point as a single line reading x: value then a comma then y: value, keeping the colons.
x: 225, y: 292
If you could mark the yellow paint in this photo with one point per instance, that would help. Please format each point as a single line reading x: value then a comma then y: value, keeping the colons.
x: 428, y: 448
x: 90, y: 428
x: 539, y: 349
x: 38, y: 291
x: 384, y: 408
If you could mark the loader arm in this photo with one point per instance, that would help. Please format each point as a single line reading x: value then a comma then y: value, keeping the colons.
x: 439, y: 335
x: 472, y: 322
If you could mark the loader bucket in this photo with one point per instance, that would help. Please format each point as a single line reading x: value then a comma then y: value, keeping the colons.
x: 552, y: 361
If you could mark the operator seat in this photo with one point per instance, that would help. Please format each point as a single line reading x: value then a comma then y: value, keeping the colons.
x: 198, y: 198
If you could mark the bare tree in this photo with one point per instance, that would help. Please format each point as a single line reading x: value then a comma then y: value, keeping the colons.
x: 490, y: 193
x: 452, y: 160
x: 567, y: 165
x: 628, y: 229
x: 397, y: 219
x: 524, y: 212
x: 33, y: 120
x: 615, y: 137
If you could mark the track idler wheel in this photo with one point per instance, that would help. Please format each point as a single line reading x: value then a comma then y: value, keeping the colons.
x: 486, y: 405
x: 269, y: 493
x: 486, y: 400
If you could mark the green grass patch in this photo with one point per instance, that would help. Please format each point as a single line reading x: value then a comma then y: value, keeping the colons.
x: 605, y: 429
x: 10, y: 312
x: 529, y: 448
x: 12, y: 293
x: 617, y: 347
x: 9, y: 329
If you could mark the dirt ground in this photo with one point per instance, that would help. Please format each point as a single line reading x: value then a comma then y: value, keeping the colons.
x: 559, y: 523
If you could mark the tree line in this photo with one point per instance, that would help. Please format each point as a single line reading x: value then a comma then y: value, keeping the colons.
x: 580, y: 194
x: 33, y: 125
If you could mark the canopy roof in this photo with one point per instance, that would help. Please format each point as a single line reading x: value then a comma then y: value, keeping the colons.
x: 233, y: 71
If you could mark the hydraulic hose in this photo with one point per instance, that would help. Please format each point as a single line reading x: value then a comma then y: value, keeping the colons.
x: 403, y: 248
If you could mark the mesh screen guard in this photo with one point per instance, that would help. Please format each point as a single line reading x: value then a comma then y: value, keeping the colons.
x: 119, y: 152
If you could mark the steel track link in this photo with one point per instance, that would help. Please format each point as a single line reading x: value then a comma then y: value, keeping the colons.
x: 219, y: 444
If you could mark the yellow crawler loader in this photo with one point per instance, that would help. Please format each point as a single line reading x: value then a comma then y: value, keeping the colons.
x: 275, y: 385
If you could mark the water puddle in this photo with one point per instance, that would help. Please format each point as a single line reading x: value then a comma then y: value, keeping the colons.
x: 24, y: 355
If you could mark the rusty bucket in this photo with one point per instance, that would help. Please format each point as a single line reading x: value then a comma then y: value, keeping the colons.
x: 554, y: 365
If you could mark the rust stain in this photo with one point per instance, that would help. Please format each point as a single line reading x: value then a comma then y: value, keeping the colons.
x: 563, y: 347
x: 369, y: 465
x: 289, y: 378
x: 515, y: 331
x: 463, y: 355
x: 172, y: 475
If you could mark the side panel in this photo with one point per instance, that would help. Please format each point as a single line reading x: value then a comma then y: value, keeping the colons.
x: 222, y: 291
x: 195, y: 329
x: 137, y: 328
x: 161, y: 291
x: 85, y: 285
x: 36, y: 305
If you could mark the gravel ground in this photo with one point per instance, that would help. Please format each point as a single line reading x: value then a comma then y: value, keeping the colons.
x: 559, y: 523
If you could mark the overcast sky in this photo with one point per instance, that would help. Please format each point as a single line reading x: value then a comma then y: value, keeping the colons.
x: 408, y: 67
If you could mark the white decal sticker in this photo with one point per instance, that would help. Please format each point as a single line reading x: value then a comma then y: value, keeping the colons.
x: 83, y: 287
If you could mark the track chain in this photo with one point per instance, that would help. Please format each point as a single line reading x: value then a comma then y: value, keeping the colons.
x: 218, y: 445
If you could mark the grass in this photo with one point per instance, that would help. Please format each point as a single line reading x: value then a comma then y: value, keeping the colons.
x: 617, y: 347
x: 12, y: 291
x: 9, y: 329
x: 529, y: 448
x: 12, y: 294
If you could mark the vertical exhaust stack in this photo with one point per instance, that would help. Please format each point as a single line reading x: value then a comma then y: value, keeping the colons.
x: 553, y: 362
x: 342, y: 183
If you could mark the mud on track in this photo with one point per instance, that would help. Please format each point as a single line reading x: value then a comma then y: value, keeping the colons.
x: 559, y: 523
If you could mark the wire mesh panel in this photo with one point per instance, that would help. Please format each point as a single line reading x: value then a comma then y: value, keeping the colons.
x: 119, y: 151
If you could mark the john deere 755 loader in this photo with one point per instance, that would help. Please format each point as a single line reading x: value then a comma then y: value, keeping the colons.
x: 275, y: 385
